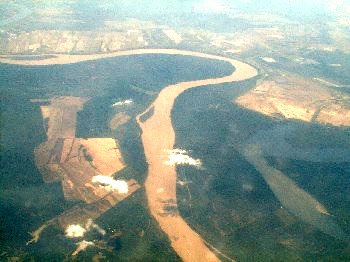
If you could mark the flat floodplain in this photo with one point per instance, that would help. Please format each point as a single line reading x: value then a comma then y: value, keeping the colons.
x: 228, y: 201
x: 104, y: 82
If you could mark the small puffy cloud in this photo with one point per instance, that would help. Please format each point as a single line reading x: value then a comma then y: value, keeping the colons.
x: 180, y: 157
x: 211, y: 6
x: 73, y: 231
x: 76, y: 230
x: 123, y: 103
x: 268, y: 59
x: 111, y: 184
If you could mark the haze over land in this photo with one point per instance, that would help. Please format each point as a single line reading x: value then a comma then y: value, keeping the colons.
x: 194, y: 130
x: 242, y: 26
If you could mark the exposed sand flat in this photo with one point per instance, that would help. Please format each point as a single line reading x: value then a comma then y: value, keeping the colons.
x: 157, y: 135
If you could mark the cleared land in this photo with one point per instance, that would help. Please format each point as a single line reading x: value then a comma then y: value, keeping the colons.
x: 157, y: 135
x: 61, y: 116
x: 298, y: 98
x: 75, y: 162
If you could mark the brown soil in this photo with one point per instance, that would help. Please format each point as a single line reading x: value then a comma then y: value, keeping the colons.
x: 81, y: 213
x: 298, y: 98
x: 62, y: 113
x: 157, y: 135
x: 105, y: 154
x: 74, y: 162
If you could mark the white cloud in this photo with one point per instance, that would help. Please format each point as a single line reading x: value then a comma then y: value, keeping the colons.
x: 211, y: 6
x: 123, y: 102
x: 73, y: 231
x: 76, y: 230
x: 180, y: 157
x: 111, y: 184
x: 268, y: 59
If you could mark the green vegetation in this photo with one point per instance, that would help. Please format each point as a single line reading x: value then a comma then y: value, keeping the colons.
x: 228, y: 201
x: 26, y: 201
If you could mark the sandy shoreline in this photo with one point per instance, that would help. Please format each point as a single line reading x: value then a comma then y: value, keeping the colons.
x: 157, y: 135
